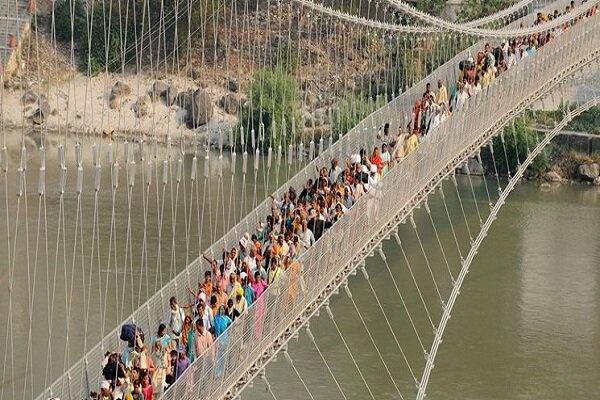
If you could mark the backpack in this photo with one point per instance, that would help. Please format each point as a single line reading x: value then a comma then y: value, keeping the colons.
x: 129, y: 332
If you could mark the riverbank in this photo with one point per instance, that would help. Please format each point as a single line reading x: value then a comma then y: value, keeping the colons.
x: 133, y: 106
x: 562, y: 167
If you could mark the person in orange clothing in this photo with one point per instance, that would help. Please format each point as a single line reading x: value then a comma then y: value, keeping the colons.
x: 376, y: 159
x: 205, y: 287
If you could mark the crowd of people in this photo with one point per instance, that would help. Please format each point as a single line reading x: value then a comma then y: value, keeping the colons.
x: 237, y: 280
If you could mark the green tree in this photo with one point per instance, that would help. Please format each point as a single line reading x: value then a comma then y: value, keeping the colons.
x: 274, y: 102
x: 518, y: 140
x: 588, y: 121
x: 434, y: 7
x: 97, y: 32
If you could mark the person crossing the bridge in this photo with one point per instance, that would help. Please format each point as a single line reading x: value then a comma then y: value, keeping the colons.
x: 222, y: 321
x: 203, y: 338
x: 175, y: 319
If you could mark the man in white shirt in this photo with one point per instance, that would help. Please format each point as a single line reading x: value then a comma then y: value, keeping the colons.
x: 308, y: 237
x: 334, y: 172
x: 250, y: 260
x: 203, y: 312
x: 175, y: 318
x: 373, y: 176
x: 230, y: 264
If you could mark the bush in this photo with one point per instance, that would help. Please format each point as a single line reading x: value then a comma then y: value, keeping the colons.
x: 588, y: 121
x: 62, y: 20
x: 93, y: 46
x: 517, y: 143
x: 473, y: 9
x: 273, y: 99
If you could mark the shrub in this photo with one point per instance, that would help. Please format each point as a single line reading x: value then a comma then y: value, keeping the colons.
x: 94, y: 46
x: 473, y: 9
x: 273, y: 99
x: 588, y: 121
x: 517, y: 142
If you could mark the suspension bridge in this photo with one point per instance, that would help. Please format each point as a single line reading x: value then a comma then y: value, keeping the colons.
x: 120, y: 225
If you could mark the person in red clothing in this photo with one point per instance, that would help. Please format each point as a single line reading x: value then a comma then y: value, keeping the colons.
x: 147, y: 389
x: 376, y: 159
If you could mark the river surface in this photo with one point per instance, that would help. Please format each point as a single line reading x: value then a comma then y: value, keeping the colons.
x: 527, y: 324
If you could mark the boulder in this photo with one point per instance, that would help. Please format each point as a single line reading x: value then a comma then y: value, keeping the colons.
x: 233, y: 85
x: 184, y: 99
x: 201, y: 109
x: 120, y: 89
x: 159, y: 90
x: 114, y: 103
x: 308, y: 121
x: 229, y: 103
x: 552, y: 176
x: 117, y: 93
x: 589, y: 171
x: 597, y: 181
x: 44, y: 108
x: 170, y: 95
x: 142, y: 106
x: 29, y: 97
x: 41, y: 112
x: 38, y: 117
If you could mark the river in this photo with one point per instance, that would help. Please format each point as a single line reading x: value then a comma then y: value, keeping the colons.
x: 525, y: 326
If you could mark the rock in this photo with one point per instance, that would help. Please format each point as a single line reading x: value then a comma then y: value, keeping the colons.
x: 159, y: 90
x: 120, y: 89
x: 29, y: 97
x: 170, y: 95
x: 229, y: 103
x: 117, y: 93
x: 589, y: 172
x: 472, y: 167
x: 44, y: 108
x: 233, y: 85
x: 114, y: 103
x: 38, y: 117
x: 108, y: 131
x: 184, y: 99
x: 597, y: 181
x: 201, y: 109
x: 552, y: 176
x: 142, y: 106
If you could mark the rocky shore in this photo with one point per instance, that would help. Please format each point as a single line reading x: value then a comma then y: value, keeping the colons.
x: 125, y: 106
x: 565, y: 168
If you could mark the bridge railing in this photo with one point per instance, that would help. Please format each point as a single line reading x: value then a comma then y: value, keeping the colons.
x: 277, y: 308
x: 233, y: 353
